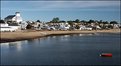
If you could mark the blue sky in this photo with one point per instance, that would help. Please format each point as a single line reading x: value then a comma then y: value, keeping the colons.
x: 65, y: 10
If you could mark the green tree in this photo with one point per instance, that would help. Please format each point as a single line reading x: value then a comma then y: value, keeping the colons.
x: 77, y: 20
x: 91, y: 21
x: 105, y: 22
x: 55, y: 19
x: 84, y: 22
x: 38, y: 21
x: 113, y: 22
x: 62, y: 21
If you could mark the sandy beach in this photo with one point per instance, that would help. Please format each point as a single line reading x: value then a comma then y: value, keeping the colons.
x: 25, y: 35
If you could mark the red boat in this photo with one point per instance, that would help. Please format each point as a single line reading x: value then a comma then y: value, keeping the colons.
x: 106, y: 55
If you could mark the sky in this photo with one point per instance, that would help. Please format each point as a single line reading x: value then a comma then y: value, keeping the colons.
x: 65, y: 10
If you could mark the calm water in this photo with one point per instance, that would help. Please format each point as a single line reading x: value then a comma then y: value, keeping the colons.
x: 77, y: 49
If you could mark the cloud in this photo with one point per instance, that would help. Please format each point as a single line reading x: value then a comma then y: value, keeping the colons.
x: 73, y: 4
x: 61, y: 5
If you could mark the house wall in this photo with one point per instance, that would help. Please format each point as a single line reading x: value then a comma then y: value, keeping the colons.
x: 15, y: 27
x: 17, y: 19
x: 5, y: 27
x: 13, y: 19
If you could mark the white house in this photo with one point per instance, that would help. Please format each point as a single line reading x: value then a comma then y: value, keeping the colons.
x: 64, y: 26
x: 5, y: 27
x: 82, y: 27
x: 14, y: 18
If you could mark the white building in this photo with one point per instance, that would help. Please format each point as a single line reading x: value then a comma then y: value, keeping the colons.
x: 64, y: 26
x: 14, y: 18
x: 5, y: 27
x: 82, y: 27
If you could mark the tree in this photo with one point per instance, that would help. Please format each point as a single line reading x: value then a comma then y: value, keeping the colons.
x: 62, y: 21
x: 113, y: 22
x: 38, y: 21
x: 55, y: 19
x: 77, y: 26
x: 105, y: 22
x: 91, y: 21
x: 28, y: 26
x: 84, y: 22
x: 77, y: 20
x: 100, y: 22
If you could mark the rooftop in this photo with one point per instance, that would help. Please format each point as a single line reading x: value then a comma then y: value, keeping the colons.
x: 10, y: 16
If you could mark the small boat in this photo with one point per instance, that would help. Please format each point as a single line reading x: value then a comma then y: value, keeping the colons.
x: 106, y: 55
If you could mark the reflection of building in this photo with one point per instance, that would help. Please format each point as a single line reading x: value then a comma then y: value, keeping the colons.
x: 17, y: 45
x: 4, y: 45
x: 13, y: 45
x: 14, y: 18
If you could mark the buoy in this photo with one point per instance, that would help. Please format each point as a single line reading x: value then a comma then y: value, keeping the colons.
x: 106, y: 55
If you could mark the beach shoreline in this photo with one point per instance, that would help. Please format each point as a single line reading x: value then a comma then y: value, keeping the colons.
x: 26, y: 35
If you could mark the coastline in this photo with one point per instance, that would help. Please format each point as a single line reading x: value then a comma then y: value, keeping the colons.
x: 26, y: 35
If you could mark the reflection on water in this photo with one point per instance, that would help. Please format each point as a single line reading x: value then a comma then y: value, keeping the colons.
x: 66, y: 35
x: 86, y: 34
x: 75, y: 49
x: 13, y: 45
x: 18, y: 44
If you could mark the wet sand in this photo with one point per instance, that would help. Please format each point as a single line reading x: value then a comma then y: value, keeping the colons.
x: 32, y: 34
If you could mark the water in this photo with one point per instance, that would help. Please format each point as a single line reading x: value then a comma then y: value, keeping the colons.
x: 77, y: 49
